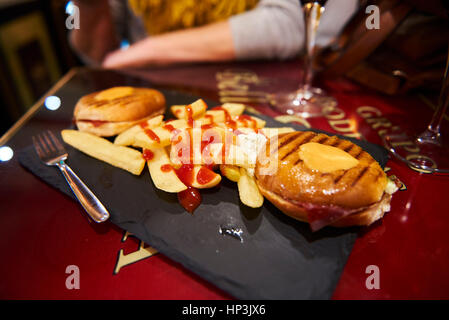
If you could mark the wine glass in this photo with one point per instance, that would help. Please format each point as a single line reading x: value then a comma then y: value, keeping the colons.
x: 426, y: 152
x: 307, y: 101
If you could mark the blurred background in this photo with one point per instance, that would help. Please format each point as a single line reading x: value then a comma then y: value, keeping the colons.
x: 34, y: 53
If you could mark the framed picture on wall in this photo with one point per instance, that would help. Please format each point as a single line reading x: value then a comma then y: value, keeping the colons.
x: 29, y: 57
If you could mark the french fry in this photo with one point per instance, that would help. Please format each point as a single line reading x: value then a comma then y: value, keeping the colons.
x: 122, y: 157
x: 167, y: 181
x: 161, y: 135
x: 243, y: 122
x: 217, y: 116
x: 126, y: 138
x: 234, y: 109
x: 198, y: 108
x: 233, y: 155
x: 249, y: 191
x: 194, y: 145
x: 230, y: 172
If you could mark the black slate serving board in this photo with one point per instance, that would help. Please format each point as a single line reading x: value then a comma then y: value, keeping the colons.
x: 279, y: 258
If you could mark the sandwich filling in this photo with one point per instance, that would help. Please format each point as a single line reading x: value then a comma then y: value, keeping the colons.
x: 320, y: 216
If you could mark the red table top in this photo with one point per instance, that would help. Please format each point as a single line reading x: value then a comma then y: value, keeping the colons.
x: 43, y: 231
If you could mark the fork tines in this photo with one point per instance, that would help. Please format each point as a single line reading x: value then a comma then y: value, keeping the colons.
x: 47, y: 142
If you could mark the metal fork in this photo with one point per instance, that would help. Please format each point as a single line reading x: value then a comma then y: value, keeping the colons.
x: 51, y: 151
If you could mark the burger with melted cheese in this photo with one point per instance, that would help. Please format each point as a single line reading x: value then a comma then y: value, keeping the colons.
x: 109, y: 112
x: 324, y: 181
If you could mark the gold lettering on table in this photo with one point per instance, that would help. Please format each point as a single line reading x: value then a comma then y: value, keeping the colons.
x: 379, y: 122
x: 334, y: 113
x: 409, y: 146
x: 143, y: 252
x: 235, y: 86
x: 368, y: 111
x: 344, y: 125
x: 289, y: 118
x: 241, y: 99
x: 373, y: 116
x: 336, y: 118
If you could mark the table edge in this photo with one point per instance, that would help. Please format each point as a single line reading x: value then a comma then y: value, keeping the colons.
x: 35, y: 107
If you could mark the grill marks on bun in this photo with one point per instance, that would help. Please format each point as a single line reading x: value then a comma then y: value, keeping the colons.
x: 353, y: 196
x: 289, y: 144
x: 116, y: 109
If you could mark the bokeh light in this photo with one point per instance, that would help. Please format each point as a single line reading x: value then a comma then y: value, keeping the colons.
x: 6, y: 153
x: 52, y: 103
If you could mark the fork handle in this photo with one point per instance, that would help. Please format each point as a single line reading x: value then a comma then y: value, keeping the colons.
x: 88, y: 200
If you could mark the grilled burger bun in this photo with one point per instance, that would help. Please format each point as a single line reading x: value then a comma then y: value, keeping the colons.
x: 324, y: 180
x: 110, y: 112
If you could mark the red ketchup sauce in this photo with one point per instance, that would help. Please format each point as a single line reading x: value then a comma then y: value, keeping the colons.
x: 206, y: 141
x: 189, y: 112
x: 228, y: 119
x: 210, y: 117
x: 98, y: 123
x: 169, y: 127
x: 153, y: 136
x: 143, y: 124
x: 95, y: 123
x: 205, y: 175
x: 185, y: 174
x: 147, y: 154
x: 190, y: 199
x: 248, y: 121
x: 166, y: 168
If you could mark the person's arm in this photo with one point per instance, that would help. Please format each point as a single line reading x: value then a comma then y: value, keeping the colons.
x: 271, y: 30
x: 212, y: 42
x: 274, y: 29
x: 96, y: 35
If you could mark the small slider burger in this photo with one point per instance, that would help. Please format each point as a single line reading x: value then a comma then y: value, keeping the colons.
x: 109, y: 112
x: 325, y: 181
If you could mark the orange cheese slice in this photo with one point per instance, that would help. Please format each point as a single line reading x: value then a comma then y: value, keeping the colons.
x: 324, y: 158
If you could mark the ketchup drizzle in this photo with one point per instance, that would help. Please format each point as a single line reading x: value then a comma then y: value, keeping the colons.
x: 205, y: 175
x: 228, y: 119
x: 166, y: 168
x: 189, y: 112
x: 169, y: 127
x: 153, y: 136
x: 245, y: 119
x: 147, y: 154
x: 143, y: 124
x: 185, y: 174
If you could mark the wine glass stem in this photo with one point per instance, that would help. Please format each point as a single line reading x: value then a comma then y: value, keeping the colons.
x: 432, y: 133
x: 443, y: 102
x: 312, y: 15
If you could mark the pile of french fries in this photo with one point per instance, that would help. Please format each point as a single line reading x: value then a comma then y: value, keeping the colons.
x: 164, y: 145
